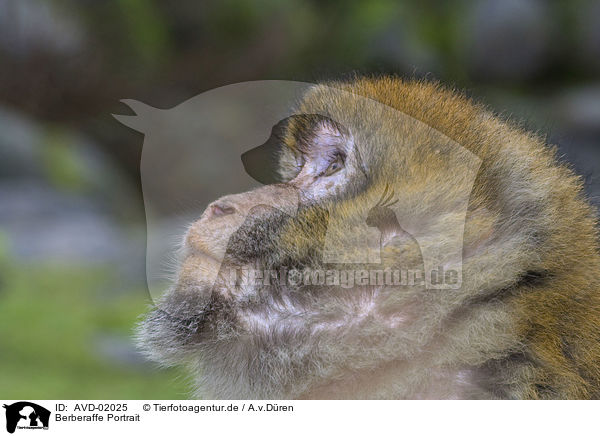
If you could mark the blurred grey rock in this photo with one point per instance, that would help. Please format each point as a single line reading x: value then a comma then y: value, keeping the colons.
x: 62, y: 200
x: 576, y: 113
x: 579, y: 109
x: 20, y: 142
x: 44, y: 224
x: 508, y: 39
x: 588, y: 29
x: 30, y: 26
x: 30, y: 150
x: 583, y: 153
x: 400, y: 49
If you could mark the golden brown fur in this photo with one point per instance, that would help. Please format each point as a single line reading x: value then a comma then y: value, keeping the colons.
x: 524, y: 324
x: 558, y: 322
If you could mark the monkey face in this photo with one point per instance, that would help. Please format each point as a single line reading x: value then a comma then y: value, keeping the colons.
x: 276, y: 227
x: 204, y: 309
x: 206, y: 242
x: 325, y: 164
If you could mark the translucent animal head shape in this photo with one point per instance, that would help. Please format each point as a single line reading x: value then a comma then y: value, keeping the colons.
x: 191, y: 157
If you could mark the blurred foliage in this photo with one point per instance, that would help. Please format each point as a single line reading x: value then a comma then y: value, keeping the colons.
x: 61, y: 164
x: 164, y: 52
x: 49, y: 319
x: 147, y: 31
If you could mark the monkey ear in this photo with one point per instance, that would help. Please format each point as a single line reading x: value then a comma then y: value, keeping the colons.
x: 263, y: 163
x: 274, y: 162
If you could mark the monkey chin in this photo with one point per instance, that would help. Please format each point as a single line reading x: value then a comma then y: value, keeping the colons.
x: 182, y: 323
x: 195, y: 310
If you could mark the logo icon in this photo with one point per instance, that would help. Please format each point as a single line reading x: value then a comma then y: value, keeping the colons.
x: 26, y: 415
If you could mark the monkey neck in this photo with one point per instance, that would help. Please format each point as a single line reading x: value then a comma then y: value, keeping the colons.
x: 375, y: 383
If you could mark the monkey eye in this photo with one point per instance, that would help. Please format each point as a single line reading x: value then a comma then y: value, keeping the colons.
x: 334, y: 166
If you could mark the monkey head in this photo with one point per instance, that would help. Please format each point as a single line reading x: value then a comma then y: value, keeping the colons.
x: 421, y: 171
x: 205, y: 312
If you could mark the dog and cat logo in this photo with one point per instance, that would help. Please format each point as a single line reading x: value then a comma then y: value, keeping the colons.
x: 26, y: 415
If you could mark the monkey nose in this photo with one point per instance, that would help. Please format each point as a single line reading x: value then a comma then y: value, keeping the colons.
x: 221, y: 209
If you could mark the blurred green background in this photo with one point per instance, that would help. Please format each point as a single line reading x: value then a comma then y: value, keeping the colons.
x: 72, y: 232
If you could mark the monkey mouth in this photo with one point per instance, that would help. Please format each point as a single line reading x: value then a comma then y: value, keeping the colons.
x: 198, y: 269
